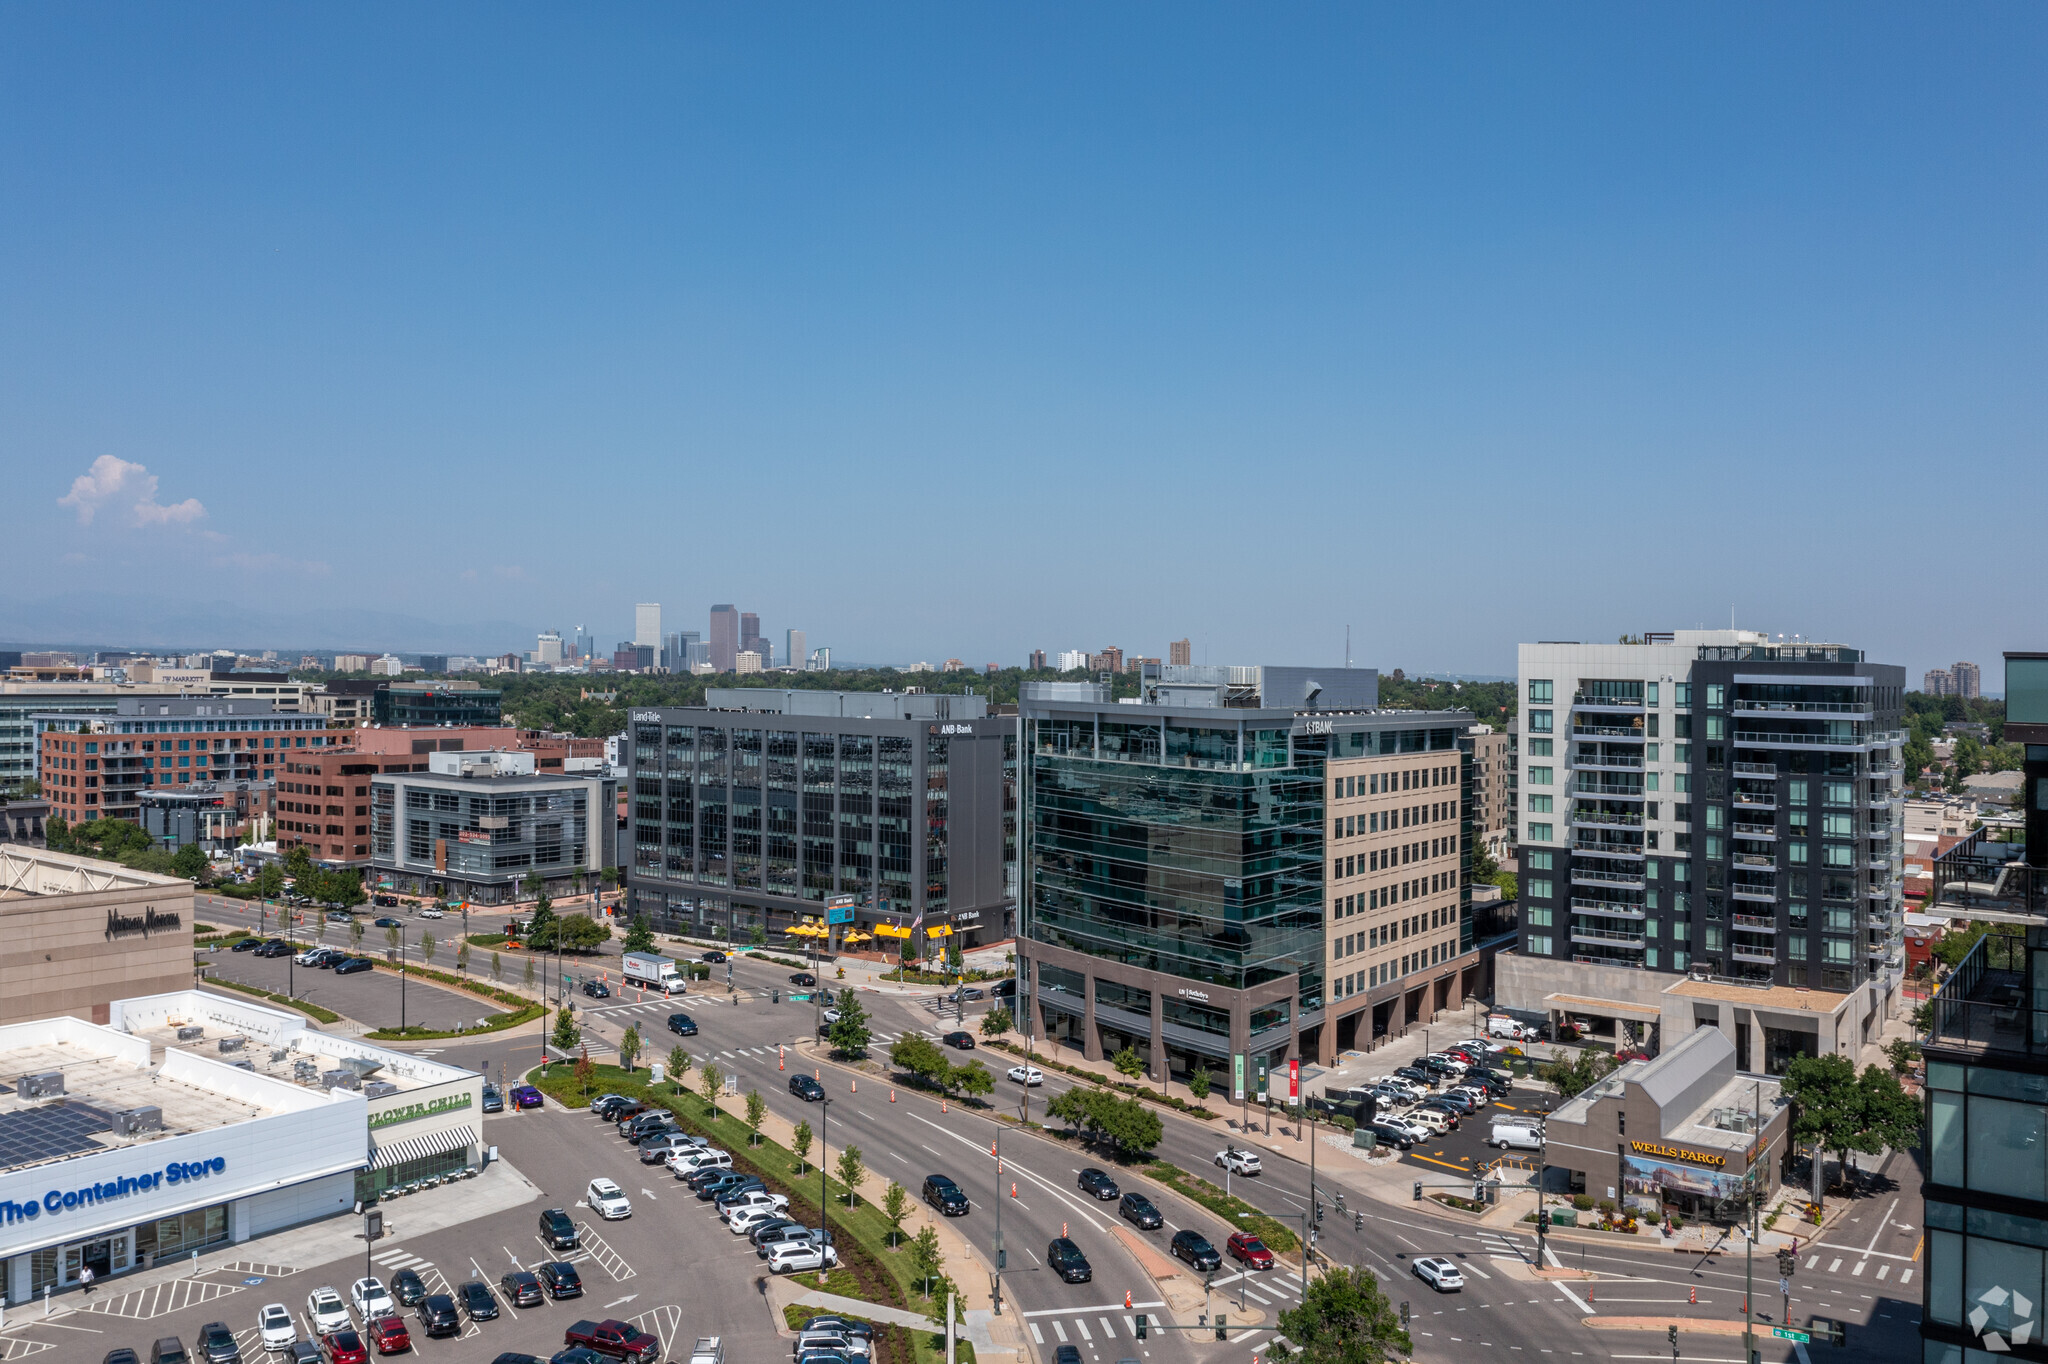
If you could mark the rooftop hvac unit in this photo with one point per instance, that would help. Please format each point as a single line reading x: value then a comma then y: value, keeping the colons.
x: 228, y: 1044
x: 340, y: 1079
x: 377, y: 1089
x: 277, y: 1054
x: 191, y: 1032
x: 47, y: 1085
x: 130, y: 1122
x: 306, y: 1072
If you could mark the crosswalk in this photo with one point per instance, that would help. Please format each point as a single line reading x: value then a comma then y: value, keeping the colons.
x: 1089, y: 1325
x: 1883, y: 1270
x: 1499, y: 1247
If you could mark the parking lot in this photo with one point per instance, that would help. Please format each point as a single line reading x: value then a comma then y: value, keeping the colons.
x: 372, y: 997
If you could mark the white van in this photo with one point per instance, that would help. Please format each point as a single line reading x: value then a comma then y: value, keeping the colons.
x: 1516, y: 1133
x: 1500, y: 1025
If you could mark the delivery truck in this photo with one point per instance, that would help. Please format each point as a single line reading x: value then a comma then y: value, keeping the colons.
x: 652, y: 971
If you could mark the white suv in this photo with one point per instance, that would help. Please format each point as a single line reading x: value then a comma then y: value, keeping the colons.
x: 327, y: 1312
x: 1239, y: 1162
x: 788, y: 1257
x: 371, y: 1299
x: 608, y: 1200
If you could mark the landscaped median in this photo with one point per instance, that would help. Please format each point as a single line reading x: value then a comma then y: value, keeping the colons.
x: 1232, y: 1209
x: 1133, y: 1090
x: 517, y: 1010
x: 868, y: 1270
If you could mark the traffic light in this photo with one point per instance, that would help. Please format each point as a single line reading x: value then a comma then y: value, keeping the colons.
x: 1671, y: 1334
x: 1786, y: 1264
x: 1319, y: 1212
x: 1838, y: 1333
x: 1141, y: 1325
x: 1221, y: 1331
x: 1358, y: 1221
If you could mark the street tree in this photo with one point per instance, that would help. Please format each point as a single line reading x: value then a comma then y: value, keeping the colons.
x: 926, y: 1259
x: 1128, y: 1063
x: 757, y: 1109
x: 922, y: 1058
x: 710, y: 1080
x: 1345, y: 1319
x: 355, y: 936
x: 1198, y: 1082
x: 526, y: 979
x: 895, y: 1206
x: 849, y: 1036
x: 971, y: 1078
x: 391, y: 941
x: 498, y: 968
x: 678, y: 1066
x: 996, y: 1022
x: 189, y: 862
x: 851, y: 1173
x: 462, y: 956
x: 629, y: 1046
x: 427, y: 948
x: 639, y: 936
x: 566, y: 1034
x: 800, y: 1142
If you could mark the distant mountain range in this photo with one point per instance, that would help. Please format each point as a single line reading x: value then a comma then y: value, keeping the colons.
x: 86, y: 621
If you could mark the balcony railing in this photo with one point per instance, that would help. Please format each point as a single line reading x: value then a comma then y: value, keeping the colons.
x: 1607, y: 760
x: 1596, y: 848
x: 1582, y: 787
x: 1878, y: 890
x: 1742, y: 890
x: 1757, y: 800
x: 1754, y: 923
x: 1607, y: 909
x: 1755, y: 830
x: 1753, y: 860
x: 1582, y: 876
x: 1588, y: 701
x: 1792, y: 739
x: 1752, y: 954
x: 1588, y: 959
x: 1607, y: 731
x: 1607, y: 937
x: 1750, y: 707
x: 1609, y: 819
x: 1756, y: 770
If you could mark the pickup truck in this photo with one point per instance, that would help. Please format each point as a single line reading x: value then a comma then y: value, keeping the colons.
x: 709, y: 1350
x: 614, y: 1339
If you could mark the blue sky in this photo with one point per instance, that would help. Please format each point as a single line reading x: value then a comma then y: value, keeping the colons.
x: 962, y: 330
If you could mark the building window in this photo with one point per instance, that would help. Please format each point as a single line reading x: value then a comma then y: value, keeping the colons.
x: 1539, y: 888
x: 1539, y: 776
x: 1540, y: 748
x: 1539, y: 833
x: 1539, y: 722
x: 1539, y: 805
x: 1540, y: 691
x: 1540, y: 859
x: 1539, y: 944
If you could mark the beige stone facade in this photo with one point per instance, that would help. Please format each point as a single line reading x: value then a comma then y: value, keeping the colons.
x: 1392, y: 910
x: 77, y: 933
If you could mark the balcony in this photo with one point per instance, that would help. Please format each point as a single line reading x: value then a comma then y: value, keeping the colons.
x: 1794, y: 739
x: 1757, y: 800
x: 1607, y: 909
x: 1607, y: 761
x: 1747, y: 707
x: 1883, y: 802
x: 1596, y: 848
x: 1879, y: 863
x: 1630, y: 732
x: 1753, y: 860
x: 1754, y: 830
x: 1769, y: 770
x: 1754, y: 923
x: 1587, y: 959
x: 1881, y: 921
x: 1607, y: 937
x: 1582, y: 787
x: 1582, y: 876
x: 1750, y: 890
x: 1607, y: 819
x: 1753, y: 954
x: 1878, y: 890
x: 1588, y: 701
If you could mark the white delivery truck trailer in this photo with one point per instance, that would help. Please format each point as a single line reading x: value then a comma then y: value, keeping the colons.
x: 652, y: 971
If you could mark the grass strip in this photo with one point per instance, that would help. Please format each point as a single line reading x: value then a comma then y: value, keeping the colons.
x: 313, y: 1011
x: 495, y: 1023
x: 861, y: 1232
x: 1129, y: 1089
x: 1278, y: 1237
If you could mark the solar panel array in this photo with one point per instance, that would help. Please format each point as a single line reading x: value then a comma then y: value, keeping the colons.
x: 50, y: 1133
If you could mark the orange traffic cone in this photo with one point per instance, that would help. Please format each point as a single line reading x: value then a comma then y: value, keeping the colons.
x: 853, y: 1086
x: 1013, y: 1188
x: 1693, y: 1297
x: 1127, y: 1300
x: 1063, y: 1229
x: 819, y: 1075
x: 892, y: 1094
x: 779, y: 1058
x: 942, y: 1105
x: 991, y: 1148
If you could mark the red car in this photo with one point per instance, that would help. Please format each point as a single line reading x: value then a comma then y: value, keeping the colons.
x: 1250, y: 1249
x: 345, y: 1347
x: 390, y: 1335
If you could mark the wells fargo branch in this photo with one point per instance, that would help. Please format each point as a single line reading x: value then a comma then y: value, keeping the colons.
x: 1685, y: 1133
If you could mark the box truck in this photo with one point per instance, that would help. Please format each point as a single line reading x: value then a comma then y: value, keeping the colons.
x: 652, y: 971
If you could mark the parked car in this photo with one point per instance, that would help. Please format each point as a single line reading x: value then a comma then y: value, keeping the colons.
x: 1396, y: 1137
x: 794, y: 1235
x: 346, y: 1347
x: 1065, y: 1259
x: 963, y: 1041
x: 246, y: 944
x: 845, y: 1326
x: 1432, y: 1119
x: 1194, y: 1247
x: 521, y: 1288
x: 275, y: 1329
x: 659, y: 1147
x: 1137, y: 1209
x: 408, y: 1287
x: 1027, y: 1075
x: 682, y: 1025
x: 352, y: 965
x: 1248, y: 1250
x: 326, y: 1311
x: 311, y: 956
x: 597, y: 989
x: 615, y: 1339
x: 942, y: 1193
x: 742, y: 1221
x: 1462, y: 1102
x: 791, y: 1257
x: 1443, y: 1107
x: 560, y: 1279
x: 620, y: 1111
x: 1510, y: 1133
x: 494, y: 1098
x: 1094, y: 1181
x: 1417, y: 1076
x: 1239, y: 1162
x: 806, y: 1088
x: 477, y: 1302
x: 437, y: 1315
x: 683, y: 1164
x: 1439, y: 1273
x: 166, y: 1350
x: 741, y: 1199
x: 762, y: 1232
x: 389, y: 1335
x: 526, y: 1096
x: 217, y: 1344
x: 607, y: 1200
x: 557, y: 1231
x: 370, y: 1297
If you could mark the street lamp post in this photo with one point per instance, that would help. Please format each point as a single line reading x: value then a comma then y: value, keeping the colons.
x: 996, y: 1298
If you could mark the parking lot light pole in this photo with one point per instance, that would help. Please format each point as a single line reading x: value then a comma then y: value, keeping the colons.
x: 996, y: 1298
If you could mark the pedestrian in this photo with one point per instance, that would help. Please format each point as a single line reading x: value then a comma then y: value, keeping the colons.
x: 85, y: 1276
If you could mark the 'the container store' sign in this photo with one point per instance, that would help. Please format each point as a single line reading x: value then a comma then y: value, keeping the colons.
x: 106, y: 1191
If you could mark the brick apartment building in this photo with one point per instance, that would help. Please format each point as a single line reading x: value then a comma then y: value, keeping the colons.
x: 96, y: 766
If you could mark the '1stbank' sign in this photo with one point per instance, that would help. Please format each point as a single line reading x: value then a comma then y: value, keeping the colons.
x: 63, y: 1200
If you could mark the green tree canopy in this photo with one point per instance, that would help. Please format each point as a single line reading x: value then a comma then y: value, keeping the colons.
x: 1124, y: 1124
x: 189, y: 862
x: 850, y: 1035
x: 639, y: 935
x: 566, y: 1034
x: 1345, y: 1319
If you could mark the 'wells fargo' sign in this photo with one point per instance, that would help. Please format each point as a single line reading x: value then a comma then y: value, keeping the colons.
x: 1651, y: 1148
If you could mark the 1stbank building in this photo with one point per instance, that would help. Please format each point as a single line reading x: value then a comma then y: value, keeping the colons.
x: 755, y: 809
x: 1248, y: 865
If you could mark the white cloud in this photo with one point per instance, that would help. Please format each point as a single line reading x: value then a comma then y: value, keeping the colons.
x: 113, y: 481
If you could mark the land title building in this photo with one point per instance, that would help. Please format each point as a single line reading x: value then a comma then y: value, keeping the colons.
x: 474, y: 826
x: 761, y: 806
x: 96, y: 766
x: 1250, y: 864
x: 1715, y: 804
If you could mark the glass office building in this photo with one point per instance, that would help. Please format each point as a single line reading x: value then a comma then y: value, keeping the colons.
x: 1178, y: 856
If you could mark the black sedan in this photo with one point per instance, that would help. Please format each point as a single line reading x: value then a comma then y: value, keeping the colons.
x: 803, y: 978
x: 387, y: 922
x: 352, y: 965
x: 963, y: 1040
x: 597, y: 989
x: 1101, y: 1185
x: 1139, y: 1212
x: 246, y: 944
x: 1194, y: 1247
x: 1390, y: 1136
x: 682, y: 1025
x: 522, y: 1289
x: 437, y: 1315
x: 713, y: 955
x: 276, y: 947
x: 560, y: 1279
x: 477, y: 1302
x: 806, y: 1088
x: 407, y: 1287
